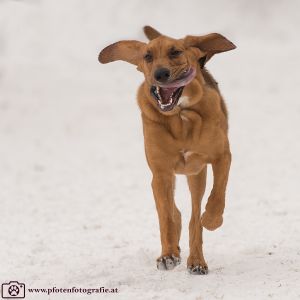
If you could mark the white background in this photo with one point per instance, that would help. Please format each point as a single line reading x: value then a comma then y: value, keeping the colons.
x: 76, y: 206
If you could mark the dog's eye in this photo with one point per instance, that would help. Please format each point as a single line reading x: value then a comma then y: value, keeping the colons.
x: 148, y: 57
x: 174, y: 53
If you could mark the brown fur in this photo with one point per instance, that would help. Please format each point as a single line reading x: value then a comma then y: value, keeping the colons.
x: 185, y: 139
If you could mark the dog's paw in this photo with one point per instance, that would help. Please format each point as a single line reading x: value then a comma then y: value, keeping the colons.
x: 167, y: 262
x: 198, y: 270
x: 211, y: 222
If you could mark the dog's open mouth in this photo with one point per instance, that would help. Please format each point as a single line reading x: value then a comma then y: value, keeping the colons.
x: 168, y: 94
x: 166, y: 98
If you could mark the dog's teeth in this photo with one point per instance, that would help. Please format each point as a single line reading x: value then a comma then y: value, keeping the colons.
x: 163, y: 105
x: 158, y: 93
x: 171, y: 98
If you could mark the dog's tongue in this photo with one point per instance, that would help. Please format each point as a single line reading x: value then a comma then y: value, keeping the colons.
x: 166, y: 93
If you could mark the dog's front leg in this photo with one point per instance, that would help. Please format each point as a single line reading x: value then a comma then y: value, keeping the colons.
x: 212, y: 218
x: 163, y: 184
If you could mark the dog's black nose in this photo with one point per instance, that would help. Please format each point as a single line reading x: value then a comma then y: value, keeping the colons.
x: 162, y: 74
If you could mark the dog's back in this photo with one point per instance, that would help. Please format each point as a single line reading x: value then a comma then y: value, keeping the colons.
x: 209, y: 79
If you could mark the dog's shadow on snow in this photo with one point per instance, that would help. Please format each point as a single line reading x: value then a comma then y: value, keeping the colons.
x: 139, y: 271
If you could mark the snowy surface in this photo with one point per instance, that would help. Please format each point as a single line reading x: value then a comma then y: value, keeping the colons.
x: 76, y: 203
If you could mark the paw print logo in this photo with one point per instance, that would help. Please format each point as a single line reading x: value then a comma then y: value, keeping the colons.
x: 14, y: 290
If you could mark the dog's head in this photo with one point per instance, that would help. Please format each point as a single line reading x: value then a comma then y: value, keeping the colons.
x: 168, y: 64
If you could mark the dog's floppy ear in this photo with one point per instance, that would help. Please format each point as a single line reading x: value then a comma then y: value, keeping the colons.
x: 130, y: 51
x: 151, y: 33
x: 209, y: 44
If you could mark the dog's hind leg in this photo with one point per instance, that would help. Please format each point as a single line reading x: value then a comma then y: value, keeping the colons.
x: 196, y: 263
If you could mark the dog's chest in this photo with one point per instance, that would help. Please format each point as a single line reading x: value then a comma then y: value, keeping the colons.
x: 186, y: 154
x: 187, y: 129
x: 191, y: 125
x: 184, y: 101
x: 187, y: 126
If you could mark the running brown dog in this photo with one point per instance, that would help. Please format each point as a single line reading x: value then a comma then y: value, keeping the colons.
x: 185, y: 128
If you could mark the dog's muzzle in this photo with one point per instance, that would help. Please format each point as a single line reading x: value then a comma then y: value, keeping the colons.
x: 168, y: 94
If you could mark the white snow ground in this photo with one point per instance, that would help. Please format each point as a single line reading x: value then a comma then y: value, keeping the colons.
x: 76, y: 206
